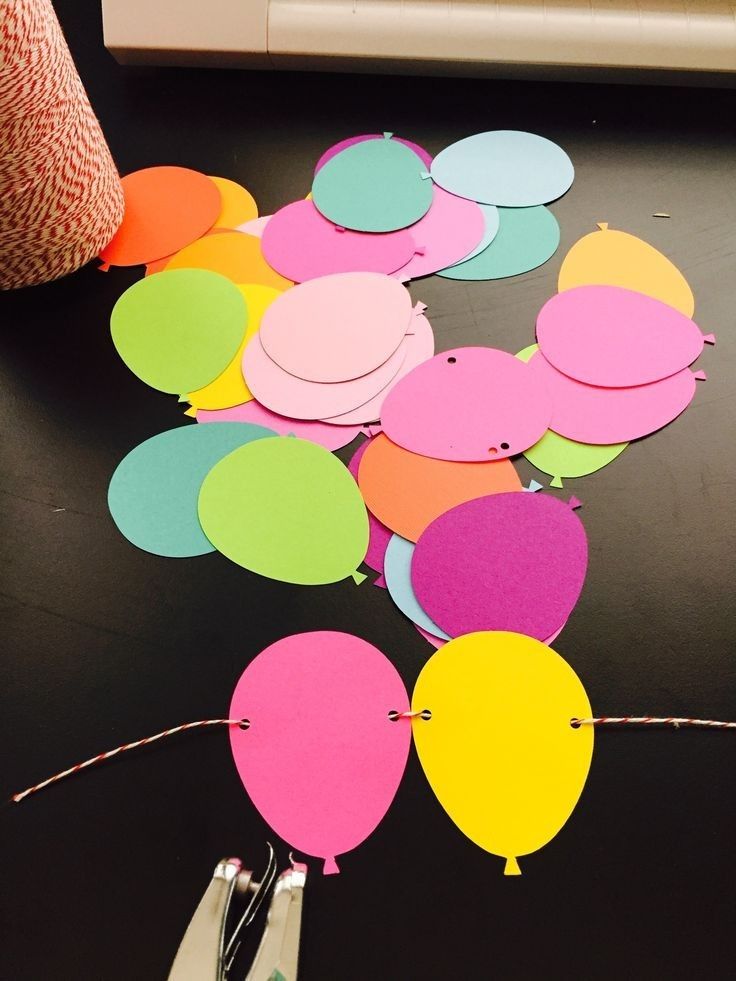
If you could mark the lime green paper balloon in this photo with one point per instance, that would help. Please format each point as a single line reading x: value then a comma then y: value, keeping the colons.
x: 179, y: 329
x: 527, y: 238
x: 561, y: 457
x: 287, y: 509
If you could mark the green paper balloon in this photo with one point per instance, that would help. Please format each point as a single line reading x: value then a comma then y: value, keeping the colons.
x: 561, y: 457
x: 153, y: 493
x: 288, y: 509
x: 374, y: 186
x: 179, y: 329
x: 527, y: 238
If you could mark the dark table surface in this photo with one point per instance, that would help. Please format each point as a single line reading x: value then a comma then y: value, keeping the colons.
x: 103, y: 643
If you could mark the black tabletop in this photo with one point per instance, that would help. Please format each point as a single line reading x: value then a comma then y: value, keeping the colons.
x: 102, y: 643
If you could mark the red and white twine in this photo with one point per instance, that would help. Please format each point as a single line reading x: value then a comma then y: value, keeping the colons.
x: 651, y: 720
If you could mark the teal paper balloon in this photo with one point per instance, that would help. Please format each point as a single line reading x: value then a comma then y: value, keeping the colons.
x: 288, y: 509
x: 374, y: 186
x: 153, y: 493
x: 527, y: 238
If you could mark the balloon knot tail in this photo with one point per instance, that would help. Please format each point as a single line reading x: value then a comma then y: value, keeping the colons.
x: 556, y: 482
x: 104, y: 267
x: 511, y: 867
x: 330, y: 867
x: 358, y: 577
x: 381, y: 581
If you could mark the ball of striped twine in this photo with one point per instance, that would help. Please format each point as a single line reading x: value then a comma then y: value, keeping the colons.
x: 60, y: 195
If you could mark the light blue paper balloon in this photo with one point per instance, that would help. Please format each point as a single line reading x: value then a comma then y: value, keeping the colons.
x: 527, y: 238
x: 374, y: 186
x: 397, y: 573
x: 153, y: 493
x: 504, y: 167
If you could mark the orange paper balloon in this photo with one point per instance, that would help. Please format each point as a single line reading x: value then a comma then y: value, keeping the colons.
x: 166, y: 208
x: 233, y: 254
x: 158, y: 265
x: 407, y: 491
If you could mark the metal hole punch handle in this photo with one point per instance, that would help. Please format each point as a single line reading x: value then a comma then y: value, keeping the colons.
x: 277, y: 956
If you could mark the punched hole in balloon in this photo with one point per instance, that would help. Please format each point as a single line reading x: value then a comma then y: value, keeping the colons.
x: 425, y: 714
x: 451, y: 360
x: 575, y: 723
x: 244, y: 724
x: 504, y: 446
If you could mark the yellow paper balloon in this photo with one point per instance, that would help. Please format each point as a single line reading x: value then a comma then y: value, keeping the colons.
x: 229, y: 388
x: 238, y: 204
x: 233, y: 254
x: 499, y: 751
x: 613, y: 258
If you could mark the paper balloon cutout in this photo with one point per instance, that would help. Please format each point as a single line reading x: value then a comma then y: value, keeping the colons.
x: 331, y: 437
x: 321, y: 760
x: 288, y: 509
x: 379, y: 534
x: 373, y: 186
x: 612, y: 258
x: 255, y: 226
x: 237, y: 204
x: 337, y: 328
x: 499, y: 751
x: 291, y: 396
x: 469, y: 404
x: 526, y: 238
x: 229, y: 388
x: 449, y: 231
x: 438, y: 642
x: 166, y: 208
x: 177, y: 331
x: 397, y: 572
x: 351, y: 141
x: 153, y: 493
x: 302, y: 244
x: 507, y: 562
x: 232, y: 254
x: 419, y: 346
x: 407, y: 491
x: 491, y: 223
x: 561, y: 457
x: 616, y: 338
x: 590, y: 414
x: 504, y: 167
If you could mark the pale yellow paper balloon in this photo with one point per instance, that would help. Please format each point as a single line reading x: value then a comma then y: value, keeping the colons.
x: 499, y: 751
x: 238, y: 204
x: 613, y: 258
x: 229, y: 388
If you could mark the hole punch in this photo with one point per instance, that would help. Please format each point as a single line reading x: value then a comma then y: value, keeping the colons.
x: 244, y: 724
x: 493, y: 450
x: 504, y: 446
x: 451, y: 360
x: 575, y: 723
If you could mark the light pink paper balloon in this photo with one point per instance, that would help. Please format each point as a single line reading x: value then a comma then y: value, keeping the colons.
x: 291, y: 396
x: 448, y: 232
x: 420, y: 347
x: 616, y: 338
x: 321, y: 759
x: 255, y: 226
x: 379, y: 534
x: 352, y: 140
x: 336, y: 328
x: 471, y: 404
x: 331, y: 437
x: 591, y: 414
x: 302, y: 244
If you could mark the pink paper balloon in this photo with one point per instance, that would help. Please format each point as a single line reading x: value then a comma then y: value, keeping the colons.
x: 331, y: 437
x: 591, y: 414
x: 616, y: 338
x: 419, y: 348
x: 302, y: 244
x: 255, y: 226
x: 352, y: 140
x: 336, y: 328
x: 513, y: 561
x: 448, y: 232
x: 321, y: 760
x: 471, y: 403
x: 379, y: 534
x: 291, y: 396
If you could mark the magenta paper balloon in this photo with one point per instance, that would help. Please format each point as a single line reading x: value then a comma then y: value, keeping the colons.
x: 379, y: 534
x: 513, y: 561
x: 616, y: 338
x: 419, y: 348
x: 591, y: 414
x: 331, y: 437
x: 336, y: 328
x: 448, y: 232
x: 302, y: 244
x: 321, y: 759
x: 352, y: 140
x: 471, y: 404
x: 291, y: 396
